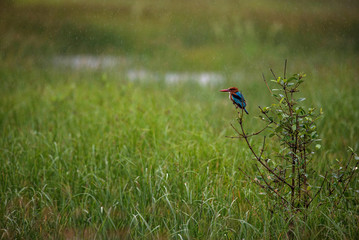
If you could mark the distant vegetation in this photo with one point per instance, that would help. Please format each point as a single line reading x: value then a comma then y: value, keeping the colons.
x: 94, y: 154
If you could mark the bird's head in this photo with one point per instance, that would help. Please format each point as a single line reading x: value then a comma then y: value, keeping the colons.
x: 231, y: 90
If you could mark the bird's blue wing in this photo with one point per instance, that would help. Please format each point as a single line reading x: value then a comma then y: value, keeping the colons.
x: 239, y: 99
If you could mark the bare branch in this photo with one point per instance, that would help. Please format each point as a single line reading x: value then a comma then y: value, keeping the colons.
x: 255, y: 210
x: 271, y: 188
x: 235, y: 129
x: 265, y: 114
x: 252, y: 134
x: 350, y: 159
x: 262, y: 150
x: 259, y: 159
x: 267, y: 84
x: 256, y: 133
x: 273, y: 73
x: 320, y: 189
x: 253, y: 180
x: 351, y: 175
x: 233, y: 137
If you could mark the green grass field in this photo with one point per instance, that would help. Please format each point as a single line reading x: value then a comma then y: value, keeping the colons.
x: 91, y: 153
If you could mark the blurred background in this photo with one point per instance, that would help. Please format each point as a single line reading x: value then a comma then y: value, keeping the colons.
x: 213, y: 43
x: 112, y: 123
x: 181, y: 35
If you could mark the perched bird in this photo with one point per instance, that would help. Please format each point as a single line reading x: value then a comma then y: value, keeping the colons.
x: 236, y: 97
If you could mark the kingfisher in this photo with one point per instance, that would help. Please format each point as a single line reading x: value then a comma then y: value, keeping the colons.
x: 236, y: 97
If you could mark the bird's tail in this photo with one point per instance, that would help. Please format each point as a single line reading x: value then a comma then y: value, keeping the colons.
x: 245, y: 110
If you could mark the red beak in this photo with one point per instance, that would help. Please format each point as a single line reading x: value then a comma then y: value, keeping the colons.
x: 224, y: 90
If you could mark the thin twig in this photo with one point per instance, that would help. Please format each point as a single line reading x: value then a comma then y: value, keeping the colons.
x: 256, y: 133
x: 233, y: 137
x: 262, y: 150
x: 344, y: 169
x: 253, y: 180
x: 351, y: 175
x: 259, y: 159
x: 273, y: 73
x: 255, y: 210
x: 267, y: 84
x: 346, y: 166
x: 320, y: 189
x: 271, y: 188
x: 235, y: 129
x: 265, y: 114
x: 252, y: 134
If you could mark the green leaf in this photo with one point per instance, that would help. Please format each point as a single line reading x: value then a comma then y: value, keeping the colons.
x: 291, y: 79
x: 313, y: 134
x: 278, y: 129
x: 318, y: 146
x: 300, y: 99
x: 299, y: 110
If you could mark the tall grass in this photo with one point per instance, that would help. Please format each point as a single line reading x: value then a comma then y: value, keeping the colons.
x: 91, y: 154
